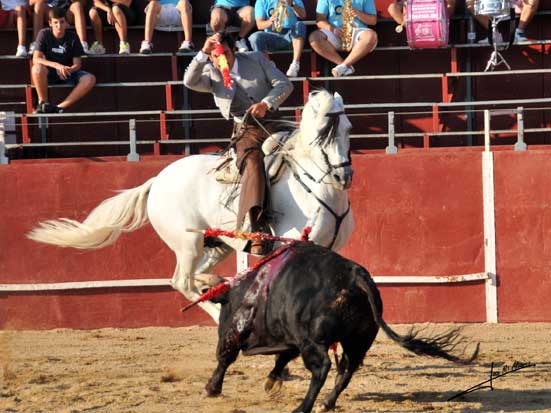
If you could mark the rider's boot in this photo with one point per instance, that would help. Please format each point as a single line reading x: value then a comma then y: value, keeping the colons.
x: 259, y: 224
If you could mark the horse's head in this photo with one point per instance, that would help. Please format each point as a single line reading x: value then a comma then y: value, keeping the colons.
x: 324, y: 131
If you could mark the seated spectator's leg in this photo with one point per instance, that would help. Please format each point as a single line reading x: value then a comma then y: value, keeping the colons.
x: 77, y: 10
x: 450, y: 5
x: 322, y: 46
x: 21, y: 17
x: 97, y: 24
x: 396, y: 12
x: 365, y: 45
x: 529, y: 8
x: 39, y: 8
x: 265, y: 42
x: 151, y: 12
x: 186, y: 11
x: 247, y: 20
x: 39, y: 74
x: 84, y: 85
x: 298, y: 34
x: 120, y: 23
x: 218, y: 19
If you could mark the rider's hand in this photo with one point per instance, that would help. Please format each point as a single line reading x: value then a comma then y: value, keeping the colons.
x: 259, y: 109
x: 211, y: 41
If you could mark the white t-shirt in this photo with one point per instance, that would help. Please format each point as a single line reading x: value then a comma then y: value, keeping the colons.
x: 12, y: 4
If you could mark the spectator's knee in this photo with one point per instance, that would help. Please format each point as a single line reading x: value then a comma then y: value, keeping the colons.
x: 89, y: 80
x: 76, y: 7
x: 93, y: 13
x: 316, y: 37
x: 254, y: 40
x: 299, y: 29
x: 247, y: 14
x: 117, y: 11
x: 39, y: 70
x: 40, y: 6
x: 218, y: 19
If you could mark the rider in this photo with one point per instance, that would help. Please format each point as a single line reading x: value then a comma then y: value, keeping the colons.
x: 259, y: 88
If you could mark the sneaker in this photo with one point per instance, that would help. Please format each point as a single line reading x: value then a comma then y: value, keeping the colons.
x: 124, y: 48
x: 46, y: 107
x: 241, y: 45
x: 294, y: 67
x: 21, y: 51
x: 146, y: 47
x: 32, y: 47
x: 97, y: 48
x: 186, y: 46
x: 498, y: 39
x: 342, y: 70
x: 85, y: 47
x: 520, y: 37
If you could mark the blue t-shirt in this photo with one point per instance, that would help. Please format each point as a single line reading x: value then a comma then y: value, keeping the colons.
x: 265, y: 9
x: 165, y: 2
x: 232, y: 3
x: 333, y: 10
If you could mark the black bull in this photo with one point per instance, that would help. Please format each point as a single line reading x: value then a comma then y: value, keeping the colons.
x: 300, y: 303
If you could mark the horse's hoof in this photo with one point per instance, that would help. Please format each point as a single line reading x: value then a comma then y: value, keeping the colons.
x: 272, y: 386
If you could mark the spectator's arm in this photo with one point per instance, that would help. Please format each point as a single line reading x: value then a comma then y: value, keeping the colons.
x: 369, y: 19
x: 40, y: 59
x: 77, y: 64
x: 322, y: 23
x: 300, y: 12
x: 264, y: 24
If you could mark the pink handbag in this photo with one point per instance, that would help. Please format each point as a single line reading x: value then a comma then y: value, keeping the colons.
x: 427, y: 24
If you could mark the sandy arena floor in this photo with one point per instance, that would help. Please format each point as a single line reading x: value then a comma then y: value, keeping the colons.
x: 165, y: 370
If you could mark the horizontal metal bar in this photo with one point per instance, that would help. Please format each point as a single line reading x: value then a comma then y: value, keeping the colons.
x: 165, y: 282
x: 61, y: 144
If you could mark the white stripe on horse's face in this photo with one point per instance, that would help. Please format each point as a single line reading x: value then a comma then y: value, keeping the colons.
x: 330, y: 155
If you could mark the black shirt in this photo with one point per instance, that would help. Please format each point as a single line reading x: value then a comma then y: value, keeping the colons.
x: 59, y: 50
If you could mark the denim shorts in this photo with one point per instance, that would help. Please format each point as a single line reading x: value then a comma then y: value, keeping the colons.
x: 274, y: 41
x: 72, y: 80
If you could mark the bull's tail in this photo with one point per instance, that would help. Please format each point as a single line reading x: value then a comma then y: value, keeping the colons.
x: 124, y: 212
x: 440, y: 345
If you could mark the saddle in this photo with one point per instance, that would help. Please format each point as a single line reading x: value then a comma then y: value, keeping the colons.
x: 273, y: 148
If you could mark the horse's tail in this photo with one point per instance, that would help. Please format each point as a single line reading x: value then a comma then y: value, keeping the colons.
x: 439, y: 345
x: 124, y: 212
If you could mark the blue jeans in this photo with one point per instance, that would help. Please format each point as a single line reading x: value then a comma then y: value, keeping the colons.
x: 274, y: 41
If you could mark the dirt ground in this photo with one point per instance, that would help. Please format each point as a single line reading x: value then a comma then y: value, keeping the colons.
x: 166, y: 369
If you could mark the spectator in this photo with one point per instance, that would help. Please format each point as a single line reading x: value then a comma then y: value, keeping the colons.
x: 397, y: 10
x: 118, y: 13
x: 238, y: 13
x: 16, y: 9
x: 74, y: 10
x: 327, y: 40
x: 526, y: 8
x: 163, y: 13
x: 57, y: 60
x: 291, y: 36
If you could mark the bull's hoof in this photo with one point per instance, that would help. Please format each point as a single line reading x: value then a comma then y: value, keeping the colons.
x: 323, y: 408
x: 272, y: 386
x: 212, y: 392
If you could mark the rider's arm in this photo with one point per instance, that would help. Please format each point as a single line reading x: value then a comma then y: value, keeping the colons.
x: 197, y: 74
x: 281, y: 85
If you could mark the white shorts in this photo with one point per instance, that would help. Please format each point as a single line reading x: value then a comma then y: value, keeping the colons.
x: 9, y: 5
x: 337, y: 42
x: 168, y: 17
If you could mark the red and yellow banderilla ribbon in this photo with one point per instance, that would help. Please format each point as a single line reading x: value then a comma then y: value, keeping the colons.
x: 224, y: 66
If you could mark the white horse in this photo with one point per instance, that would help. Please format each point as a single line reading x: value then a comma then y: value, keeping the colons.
x: 312, y: 191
